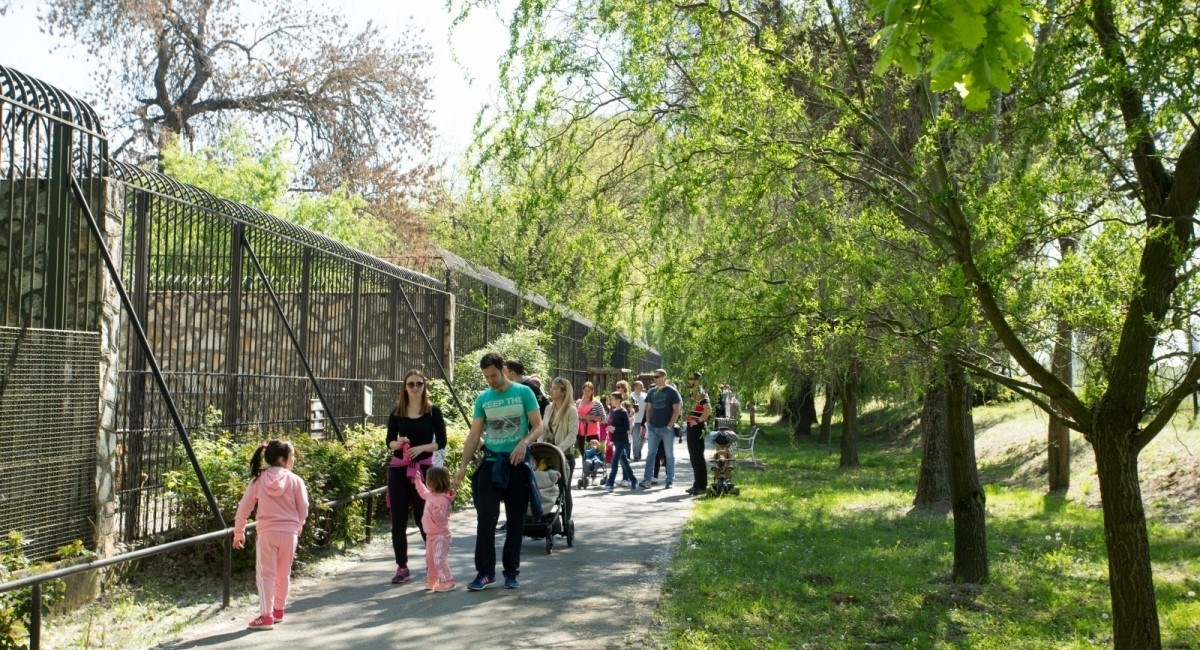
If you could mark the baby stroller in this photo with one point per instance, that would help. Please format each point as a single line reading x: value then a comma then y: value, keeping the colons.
x: 593, y: 467
x: 556, y: 498
x: 722, y: 464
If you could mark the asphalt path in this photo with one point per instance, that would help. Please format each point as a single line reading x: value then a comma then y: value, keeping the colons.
x: 600, y: 593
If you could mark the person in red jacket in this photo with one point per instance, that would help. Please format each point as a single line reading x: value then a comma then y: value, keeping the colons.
x: 281, y: 500
x: 698, y: 412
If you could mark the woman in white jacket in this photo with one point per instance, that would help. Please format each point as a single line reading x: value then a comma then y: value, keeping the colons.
x: 559, y: 424
x: 561, y: 420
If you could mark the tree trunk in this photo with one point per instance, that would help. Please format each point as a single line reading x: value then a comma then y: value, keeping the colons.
x: 933, y: 480
x: 1059, y: 455
x: 966, y: 493
x: 1130, y: 576
x: 806, y: 413
x: 827, y: 413
x: 849, y: 393
x: 1058, y: 435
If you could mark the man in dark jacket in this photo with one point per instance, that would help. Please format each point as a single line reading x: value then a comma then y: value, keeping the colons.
x: 515, y: 371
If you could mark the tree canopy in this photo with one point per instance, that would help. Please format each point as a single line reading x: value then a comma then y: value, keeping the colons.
x: 352, y: 101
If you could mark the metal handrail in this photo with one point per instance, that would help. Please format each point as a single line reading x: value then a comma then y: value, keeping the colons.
x: 35, y: 581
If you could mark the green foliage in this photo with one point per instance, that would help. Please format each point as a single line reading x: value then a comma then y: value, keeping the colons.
x: 330, y: 469
x: 16, y: 606
x: 972, y: 46
x: 528, y: 345
x: 238, y: 170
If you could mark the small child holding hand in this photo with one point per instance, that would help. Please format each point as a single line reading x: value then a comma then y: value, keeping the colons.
x: 435, y: 521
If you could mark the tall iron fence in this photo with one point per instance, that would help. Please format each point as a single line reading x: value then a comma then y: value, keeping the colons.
x: 218, y: 285
x: 488, y: 305
x: 247, y: 316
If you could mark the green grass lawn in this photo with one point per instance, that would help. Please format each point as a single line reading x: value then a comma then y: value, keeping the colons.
x: 811, y: 556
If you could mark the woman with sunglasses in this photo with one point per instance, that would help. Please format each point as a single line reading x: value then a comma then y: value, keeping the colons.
x: 415, y: 431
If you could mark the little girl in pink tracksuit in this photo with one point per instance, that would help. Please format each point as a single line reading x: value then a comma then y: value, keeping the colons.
x: 435, y: 521
x: 282, y: 501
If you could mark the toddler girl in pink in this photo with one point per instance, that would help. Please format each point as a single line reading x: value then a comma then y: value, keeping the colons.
x: 282, y: 501
x: 435, y: 521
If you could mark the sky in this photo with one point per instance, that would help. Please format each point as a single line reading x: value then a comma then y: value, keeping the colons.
x: 462, y: 75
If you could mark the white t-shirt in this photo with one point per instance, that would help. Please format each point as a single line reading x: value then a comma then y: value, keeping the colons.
x: 639, y: 400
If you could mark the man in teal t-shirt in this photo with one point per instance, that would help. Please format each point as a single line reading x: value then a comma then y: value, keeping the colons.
x: 505, y: 421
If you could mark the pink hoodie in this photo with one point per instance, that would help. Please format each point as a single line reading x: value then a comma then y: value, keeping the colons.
x: 436, y: 518
x: 282, y: 500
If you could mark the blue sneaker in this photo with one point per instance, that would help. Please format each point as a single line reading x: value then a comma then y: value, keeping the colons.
x: 608, y: 488
x: 511, y: 582
x: 481, y: 582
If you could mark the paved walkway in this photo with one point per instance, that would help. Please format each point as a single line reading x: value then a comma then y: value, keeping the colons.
x: 601, y: 593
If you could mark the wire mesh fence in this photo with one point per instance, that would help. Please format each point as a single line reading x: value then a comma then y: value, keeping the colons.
x: 48, y: 397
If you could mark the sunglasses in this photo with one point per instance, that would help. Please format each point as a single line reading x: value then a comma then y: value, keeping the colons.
x: 414, y: 384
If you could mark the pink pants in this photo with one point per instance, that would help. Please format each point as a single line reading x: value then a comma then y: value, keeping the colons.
x: 437, y: 557
x: 274, y: 553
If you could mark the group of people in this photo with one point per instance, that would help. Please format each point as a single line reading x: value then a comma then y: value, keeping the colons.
x: 507, y: 418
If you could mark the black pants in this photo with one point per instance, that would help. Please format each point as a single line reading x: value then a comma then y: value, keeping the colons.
x: 487, y: 506
x: 695, y: 445
x: 660, y: 460
x: 404, y: 499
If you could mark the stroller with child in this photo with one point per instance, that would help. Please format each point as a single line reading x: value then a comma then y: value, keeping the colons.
x: 722, y: 463
x: 593, y: 464
x: 550, y: 473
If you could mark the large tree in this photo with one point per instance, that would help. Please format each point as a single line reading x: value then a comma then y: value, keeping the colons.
x: 352, y: 100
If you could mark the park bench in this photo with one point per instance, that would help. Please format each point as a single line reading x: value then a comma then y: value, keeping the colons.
x: 744, y: 446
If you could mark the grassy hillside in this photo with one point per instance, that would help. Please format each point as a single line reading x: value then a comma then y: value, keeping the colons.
x: 813, y: 556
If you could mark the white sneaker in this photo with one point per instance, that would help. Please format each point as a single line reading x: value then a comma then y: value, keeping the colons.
x: 624, y: 483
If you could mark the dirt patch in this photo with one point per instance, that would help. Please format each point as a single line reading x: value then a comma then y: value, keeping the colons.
x: 1010, y: 444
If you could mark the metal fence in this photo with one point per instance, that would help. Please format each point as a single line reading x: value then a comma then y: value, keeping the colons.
x: 218, y: 286
x: 49, y: 348
x: 488, y: 305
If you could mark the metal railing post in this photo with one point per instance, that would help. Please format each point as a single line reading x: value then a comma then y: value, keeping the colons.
x: 35, y: 617
x: 225, y: 596
x: 370, y: 517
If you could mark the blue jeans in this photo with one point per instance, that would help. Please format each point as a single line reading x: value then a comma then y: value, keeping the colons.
x: 620, y: 456
x: 666, y: 436
x: 636, y: 443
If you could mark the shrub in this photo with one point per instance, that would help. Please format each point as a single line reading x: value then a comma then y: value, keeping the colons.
x: 16, y: 606
x: 331, y: 470
x: 528, y: 345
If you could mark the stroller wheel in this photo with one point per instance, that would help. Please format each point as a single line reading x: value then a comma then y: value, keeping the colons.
x: 570, y: 533
x: 549, y: 544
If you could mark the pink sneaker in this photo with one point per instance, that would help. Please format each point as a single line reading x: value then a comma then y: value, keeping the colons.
x: 402, y: 576
x: 430, y: 585
x: 277, y: 615
x: 443, y: 587
x: 263, y: 622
